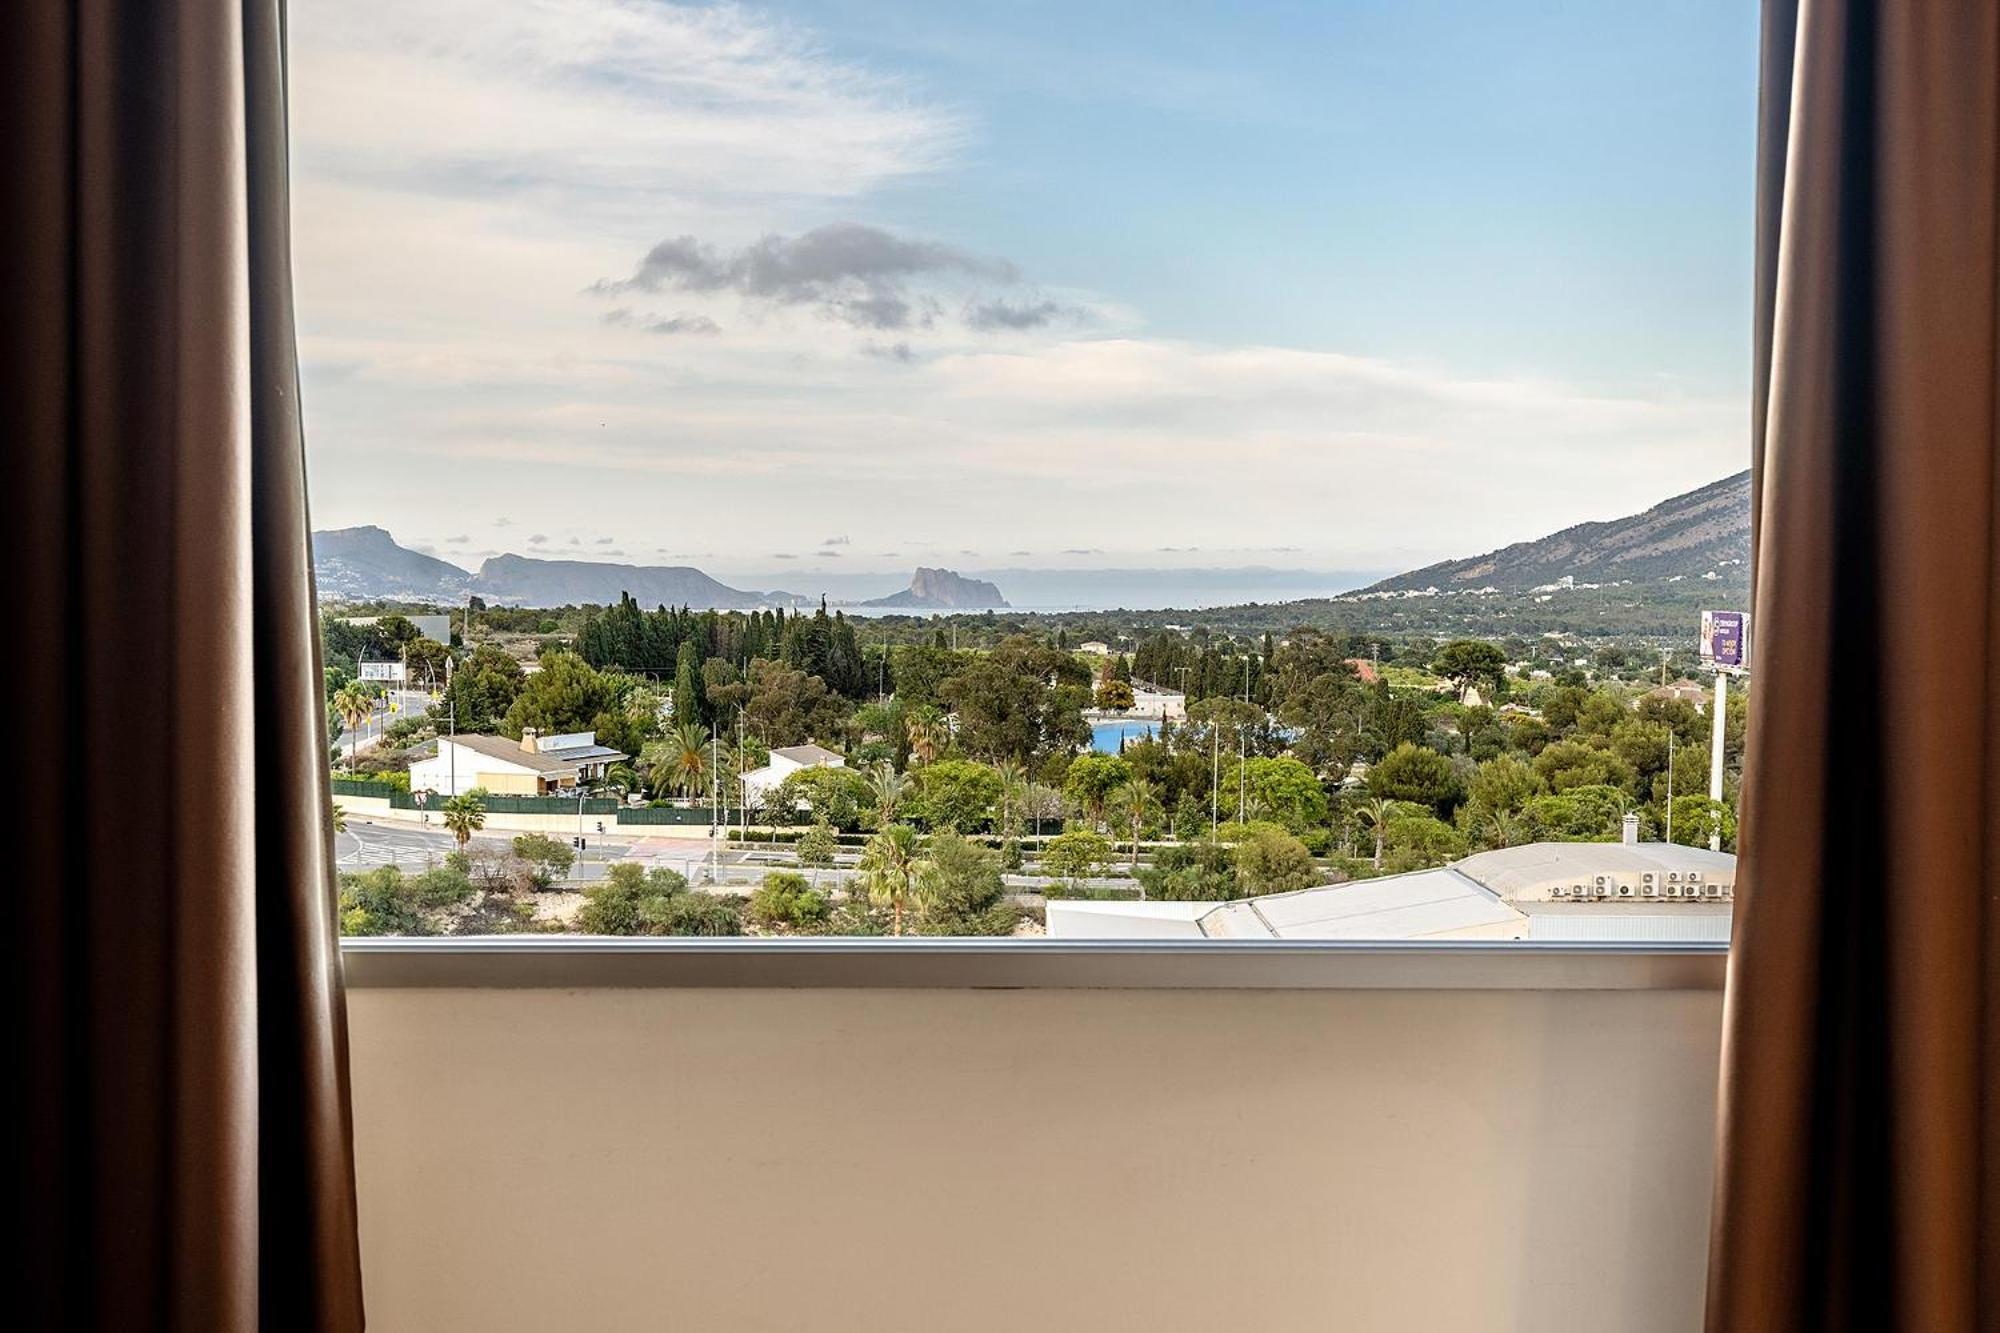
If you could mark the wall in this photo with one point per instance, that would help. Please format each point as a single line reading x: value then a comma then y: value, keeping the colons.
x: 1054, y: 1159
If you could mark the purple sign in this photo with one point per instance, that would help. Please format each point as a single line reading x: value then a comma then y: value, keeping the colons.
x: 1725, y: 639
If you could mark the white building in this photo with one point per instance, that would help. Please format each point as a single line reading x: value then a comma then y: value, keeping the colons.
x: 1095, y: 648
x: 759, y: 783
x: 1603, y: 891
x: 535, y: 765
x: 1169, y: 705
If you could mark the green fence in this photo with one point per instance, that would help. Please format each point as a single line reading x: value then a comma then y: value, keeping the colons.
x: 363, y: 787
x: 674, y: 814
x: 495, y: 804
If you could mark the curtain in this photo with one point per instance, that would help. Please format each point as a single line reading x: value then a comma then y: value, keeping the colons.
x: 182, y: 1157
x: 1858, y: 1144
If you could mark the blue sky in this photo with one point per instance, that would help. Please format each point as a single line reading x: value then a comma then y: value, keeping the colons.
x: 1428, y: 277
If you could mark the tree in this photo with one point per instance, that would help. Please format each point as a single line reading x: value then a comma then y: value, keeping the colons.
x: 1091, y: 780
x: 929, y: 733
x: 483, y: 687
x: 566, y: 695
x: 464, y: 815
x: 1013, y: 785
x: 690, y: 691
x: 680, y: 761
x: 1115, y: 696
x: 1076, y: 854
x: 1022, y: 700
x: 956, y: 794
x: 337, y: 817
x: 1284, y: 790
x: 1417, y: 838
x: 889, y: 870
x: 1415, y: 773
x: 1575, y: 763
x: 790, y: 707
x: 1270, y: 861
x: 385, y: 901
x: 1467, y: 663
x: 1696, y: 818
x: 887, y: 788
x: 830, y: 793
x: 960, y: 890
x: 353, y: 702
x: 1374, y: 814
x: 1135, y: 806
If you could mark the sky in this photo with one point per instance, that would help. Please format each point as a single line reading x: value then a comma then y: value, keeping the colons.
x: 850, y: 285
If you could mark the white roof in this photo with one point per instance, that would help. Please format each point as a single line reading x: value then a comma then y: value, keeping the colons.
x: 809, y: 755
x: 1512, y: 872
x: 1086, y: 919
x: 1396, y: 907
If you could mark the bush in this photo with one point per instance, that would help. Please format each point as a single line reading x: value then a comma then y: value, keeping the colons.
x: 1076, y: 854
x: 961, y: 892
x: 816, y: 844
x: 550, y: 858
x: 1273, y: 861
x: 786, y: 901
x: 635, y: 901
x: 1200, y: 871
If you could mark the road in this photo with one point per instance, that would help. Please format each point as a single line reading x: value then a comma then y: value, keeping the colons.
x: 409, y: 703
x: 366, y: 844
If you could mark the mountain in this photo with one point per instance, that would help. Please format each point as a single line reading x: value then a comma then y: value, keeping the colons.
x: 1703, y: 535
x: 366, y: 564
x: 942, y: 589
x: 519, y: 580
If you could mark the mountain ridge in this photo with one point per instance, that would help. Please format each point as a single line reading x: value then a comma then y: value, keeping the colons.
x: 1700, y: 534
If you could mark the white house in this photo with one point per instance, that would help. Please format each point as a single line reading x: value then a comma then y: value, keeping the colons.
x: 1095, y: 647
x: 785, y: 761
x: 535, y: 765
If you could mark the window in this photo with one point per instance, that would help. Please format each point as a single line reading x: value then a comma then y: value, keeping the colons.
x: 1190, y: 471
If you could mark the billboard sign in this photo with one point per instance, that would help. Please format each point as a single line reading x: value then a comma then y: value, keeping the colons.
x: 1725, y: 640
x: 381, y: 670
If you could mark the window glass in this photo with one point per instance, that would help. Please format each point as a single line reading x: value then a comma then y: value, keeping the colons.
x: 1170, y: 470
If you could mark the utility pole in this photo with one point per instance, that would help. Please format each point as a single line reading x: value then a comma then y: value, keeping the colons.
x: 1670, y: 786
x: 1215, y: 778
x: 1719, y: 726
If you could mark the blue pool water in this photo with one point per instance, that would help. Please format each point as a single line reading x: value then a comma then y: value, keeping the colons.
x: 1105, y: 736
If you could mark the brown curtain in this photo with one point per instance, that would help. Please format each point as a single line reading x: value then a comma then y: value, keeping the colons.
x: 1859, y: 1142
x: 181, y: 1154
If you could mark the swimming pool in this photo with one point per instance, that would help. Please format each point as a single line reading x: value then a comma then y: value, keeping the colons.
x: 1106, y: 736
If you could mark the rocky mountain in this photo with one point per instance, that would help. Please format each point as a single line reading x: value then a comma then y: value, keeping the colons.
x: 366, y: 564
x: 519, y: 580
x: 943, y: 589
x: 1702, y: 536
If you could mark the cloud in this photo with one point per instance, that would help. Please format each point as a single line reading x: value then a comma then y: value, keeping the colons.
x: 537, y: 540
x: 624, y: 318
x: 890, y: 352
x: 1081, y: 550
x: 836, y: 541
x: 457, y: 541
x: 783, y: 555
x: 606, y: 541
x: 1020, y: 553
x: 990, y: 315
x: 503, y: 522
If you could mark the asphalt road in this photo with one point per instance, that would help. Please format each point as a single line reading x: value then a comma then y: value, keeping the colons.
x: 409, y: 703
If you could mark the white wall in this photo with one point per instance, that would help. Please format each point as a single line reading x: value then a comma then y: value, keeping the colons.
x: 1008, y: 1160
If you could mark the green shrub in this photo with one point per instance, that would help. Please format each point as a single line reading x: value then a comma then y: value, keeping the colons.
x: 816, y: 844
x: 786, y: 901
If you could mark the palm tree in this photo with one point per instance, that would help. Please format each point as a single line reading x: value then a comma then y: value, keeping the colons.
x: 889, y: 787
x: 1013, y: 783
x: 929, y: 733
x: 680, y: 762
x: 1136, y: 803
x: 464, y: 816
x: 354, y: 703
x: 338, y: 817
x: 1503, y: 827
x: 889, y: 871
x: 1375, y: 813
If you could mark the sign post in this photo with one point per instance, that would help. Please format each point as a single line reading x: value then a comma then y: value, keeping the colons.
x: 1725, y: 648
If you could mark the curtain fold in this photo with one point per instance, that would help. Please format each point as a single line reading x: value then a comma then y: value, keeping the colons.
x: 183, y: 1157
x: 1857, y: 1143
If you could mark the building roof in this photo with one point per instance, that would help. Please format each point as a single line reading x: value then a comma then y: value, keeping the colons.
x: 1499, y: 894
x: 510, y: 752
x: 809, y: 755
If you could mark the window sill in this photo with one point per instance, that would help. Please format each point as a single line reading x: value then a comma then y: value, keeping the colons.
x: 529, y: 962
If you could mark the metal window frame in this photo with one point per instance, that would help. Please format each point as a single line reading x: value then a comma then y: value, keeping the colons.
x: 540, y: 962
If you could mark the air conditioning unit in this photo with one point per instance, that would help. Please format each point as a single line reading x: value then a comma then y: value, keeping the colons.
x: 1673, y: 889
x: 1624, y: 890
x: 1559, y: 892
x: 1713, y: 890
x: 1601, y: 890
x: 1649, y: 888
